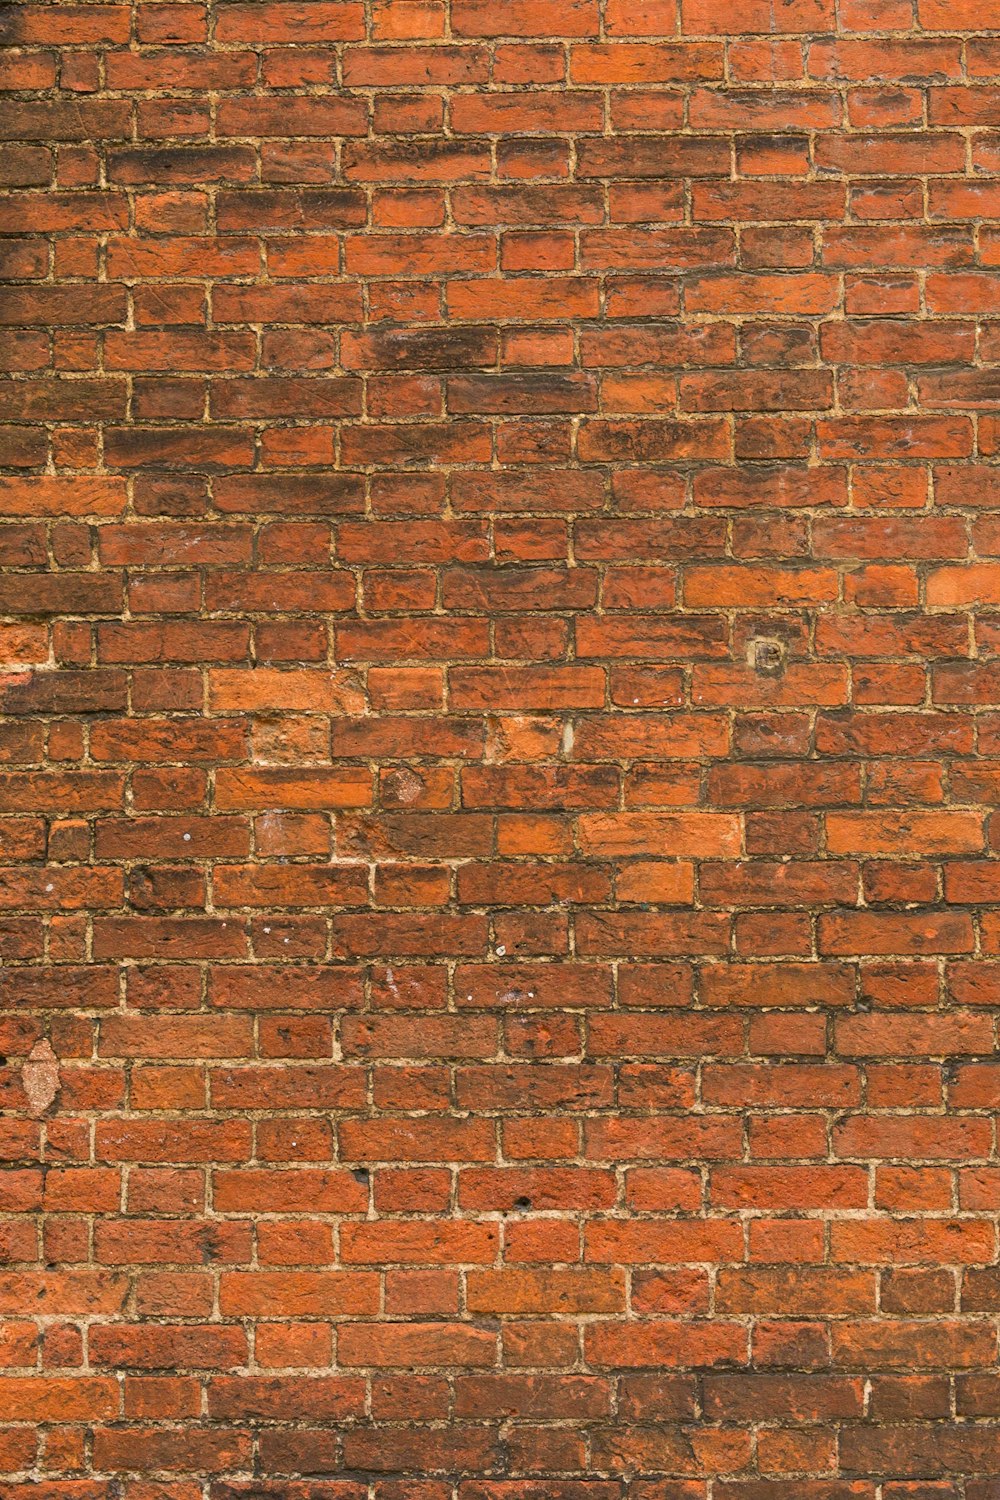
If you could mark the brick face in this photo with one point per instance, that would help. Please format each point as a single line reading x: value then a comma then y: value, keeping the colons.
x: 499, y: 749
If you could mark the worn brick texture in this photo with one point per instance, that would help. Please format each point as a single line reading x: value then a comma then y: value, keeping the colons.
x: 500, y: 621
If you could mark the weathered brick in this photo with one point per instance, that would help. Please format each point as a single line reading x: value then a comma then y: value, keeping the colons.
x: 500, y: 750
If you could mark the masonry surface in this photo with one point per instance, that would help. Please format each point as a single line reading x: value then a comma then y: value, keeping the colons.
x: 500, y: 633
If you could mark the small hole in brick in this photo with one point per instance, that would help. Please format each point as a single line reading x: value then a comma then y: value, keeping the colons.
x: 522, y: 1203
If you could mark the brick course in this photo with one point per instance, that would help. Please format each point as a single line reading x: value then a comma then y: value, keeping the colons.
x: 500, y: 750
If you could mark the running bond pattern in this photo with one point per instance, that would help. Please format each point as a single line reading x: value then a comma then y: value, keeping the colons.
x: 501, y: 735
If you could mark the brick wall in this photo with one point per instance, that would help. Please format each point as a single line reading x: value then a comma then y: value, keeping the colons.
x: 501, y: 734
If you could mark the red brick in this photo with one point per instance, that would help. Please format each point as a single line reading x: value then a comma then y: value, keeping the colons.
x: 499, y: 765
